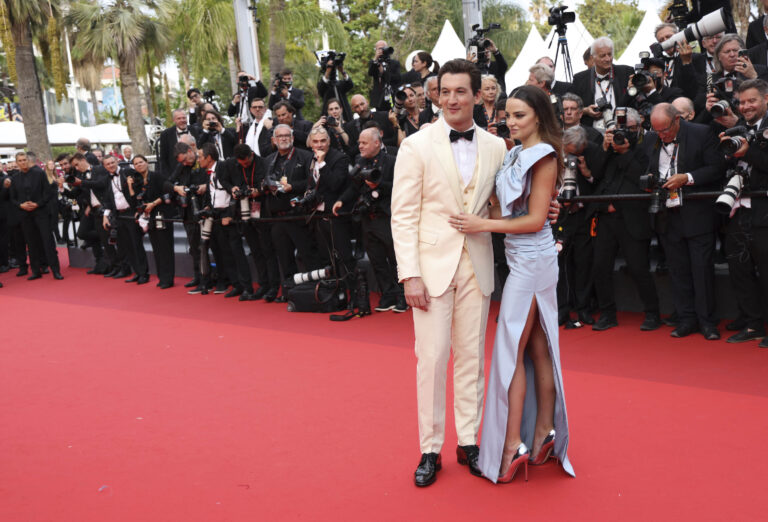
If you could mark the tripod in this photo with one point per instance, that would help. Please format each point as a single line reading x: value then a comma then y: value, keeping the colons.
x: 562, y: 48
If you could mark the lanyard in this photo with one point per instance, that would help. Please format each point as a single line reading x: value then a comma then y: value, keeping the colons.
x: 600, y: 85
x: 672, y: 168
x: 253, y: 169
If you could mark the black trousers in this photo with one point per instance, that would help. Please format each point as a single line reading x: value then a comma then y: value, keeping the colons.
x: 691, y: 263
x: 17, y: 243
x: 259, y: 238
x: 222, y: 254
x: 242, y: 269
x: 377, y: 237
x: 193, y: 240
x: 289, y: 239
x: 612, y: 236
x: 4, y: 235
x: 39, y: 237
x: 574, y: 283
x: 334, y: 238
x: 162, y: 248
x: 88, y: 231
x: 747, y: 253
x: 129, y: 242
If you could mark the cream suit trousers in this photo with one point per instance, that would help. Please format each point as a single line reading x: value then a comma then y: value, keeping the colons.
x: 455, y: 319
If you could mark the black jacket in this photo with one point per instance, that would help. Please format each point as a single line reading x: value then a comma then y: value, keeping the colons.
x: 228, y: 141
x: 254, y: 91
x: 168, y: 140
x: 390, y: 76
x: 355, y: 127
x: 584, y: 85
x: 30, y: 186
x: 334, y: 177
x: 382, y: 194
x: 295, y: 168
x: 295, y: 98
x: 698, y: 155
x: 186, y: 177
x: 336, y: 89
x: 758, y: 54
x: 757, y: 158
x: 755, y: 33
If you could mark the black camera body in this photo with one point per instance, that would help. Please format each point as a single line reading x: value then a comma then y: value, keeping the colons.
x: 652, y: 183
x: 308, y: 202
x: 479, y: 43
x: 502, y: 131
x: 209, y: 95
x: 330, y: 121
x: 279, y: 83
x: 333, y: 58
x: 725, y: 90
x: 270, y: 184
x: 620, y: 131
x: 386, y: 54
x: 733, y: 143
x: 242, y: 82
x: 360, y: 175
x: 679, y: 11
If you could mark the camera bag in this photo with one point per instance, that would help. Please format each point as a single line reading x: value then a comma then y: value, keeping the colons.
x: 326, y: 296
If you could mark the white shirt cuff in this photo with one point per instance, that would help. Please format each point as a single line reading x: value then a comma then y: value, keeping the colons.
x: 690, y: 179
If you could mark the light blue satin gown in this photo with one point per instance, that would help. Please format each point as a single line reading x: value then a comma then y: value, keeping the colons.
x: 532, y: 260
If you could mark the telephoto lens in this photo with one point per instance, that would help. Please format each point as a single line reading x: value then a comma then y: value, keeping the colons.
x: 205, y: 230
x: 731, y: 193
x: 570, y: 174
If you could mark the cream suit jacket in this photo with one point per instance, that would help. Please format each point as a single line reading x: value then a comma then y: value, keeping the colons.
x: 427, y: 190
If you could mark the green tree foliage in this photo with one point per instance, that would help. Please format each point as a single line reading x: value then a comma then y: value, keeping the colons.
x: 618, y: 19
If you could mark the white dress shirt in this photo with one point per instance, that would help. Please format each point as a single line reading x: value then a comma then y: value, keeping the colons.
x: 219, y: 197
x: 464, y: 153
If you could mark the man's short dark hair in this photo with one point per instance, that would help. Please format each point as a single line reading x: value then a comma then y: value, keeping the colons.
x: 286, y: 104
x: 193, y: 89
x: 180, y: 148
x: 77, y: 156
x: 62, y: 156
x: 286, y: 71
x: 757, y: 83
x: 242, y: 151
x: 461, y: 66
x: 587, y: 54
x: 372, y: 124
x: 209, y: 150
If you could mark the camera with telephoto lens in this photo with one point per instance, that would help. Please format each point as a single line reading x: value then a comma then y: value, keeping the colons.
x: 212, y: 126
x: 70, y: 177
x: 204, y: 213
x: 652, y: 183
x: 209, y: 95
x: 724, y: 90
x: 738, y: 181
x: 642, y: 77
x: 570, y: 177
x: 679, y: 11
x: 386, y: 54
x: 399, y: 100
x: 605, y: 109
x: 709, y: 25
x: 313, y: 275
x: 502, y: 131
x: 306, y: 202
x: 271, y: 184
x: 479, y: 44
x: 280, y: 84
x: 241, y: 202
x: 730, y: 145
x: 620, y: 132
x: 360, y: 175
x: 332, y: 58
x: 112, y: 238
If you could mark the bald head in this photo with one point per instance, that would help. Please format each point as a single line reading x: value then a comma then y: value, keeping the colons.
x: 188, y: 139
x: 359, y: 105
x: 665, y: 120
x: 685, y: 107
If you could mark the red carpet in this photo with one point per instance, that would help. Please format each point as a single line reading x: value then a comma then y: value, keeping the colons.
x: 126, y: 403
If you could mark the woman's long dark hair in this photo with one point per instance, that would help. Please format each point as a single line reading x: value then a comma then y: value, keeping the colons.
x: 425, y: 57
x: 549, y: 128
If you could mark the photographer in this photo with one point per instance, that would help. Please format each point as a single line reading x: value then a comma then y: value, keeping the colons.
x: 328, y: 179
x: 756, y: 34
x: 170, y: 137
x: 333, y: 120
x: 496, y: 68
x: 485, y: 112
x: 647, y: 87
x: 680, y: 66
x: 584, y: 166
x: 195, y: 99
x: 152, y: 204
x: 708, y: 44
x: 555, y: 87
x: 335, y: 83
x: 284, y: 91
x: 289, y: 166
x: 188, y: 182
x: 248, y: 88
x: 364, y: 115
x: 603, y: 86
x: 746, y: 241
x: 257, y: 134
x: 88, y: 183
x: 420, y: 71
x: 573, y: 108
x: 372, y: 198
x: 404, y: 117
x: 285, y: 115
x: 623, y: 226
x: 224, y: 139
x: 683, y: 159
x: 385, y: 72
x: 432, y: 109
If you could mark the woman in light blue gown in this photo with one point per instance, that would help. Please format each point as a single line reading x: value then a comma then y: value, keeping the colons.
x: 525, y: 405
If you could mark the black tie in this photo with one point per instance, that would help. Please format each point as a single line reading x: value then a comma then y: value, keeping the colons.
x: 456, y: 135
x: 179, y: 133
x: 601, y: 79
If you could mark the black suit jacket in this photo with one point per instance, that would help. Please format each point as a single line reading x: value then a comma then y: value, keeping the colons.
x: 228, y: 141
x: 97, y: 183
x: 30, y: 186
x: 295, y: 98
x: 296, y: 170
x: 334, y: 177
x: 264, y: 141
x: 390, y: 76
x: 757, y: 158
x: 698, y: 155
x: 336, y: 89
x: 584, y: 85
x: 254, y: 91
x: 168, y: 140
x: 755, y: 33
x: 355, y: 127
x: 758, y: 54
x: 386, y: 164
x: 560, y: 88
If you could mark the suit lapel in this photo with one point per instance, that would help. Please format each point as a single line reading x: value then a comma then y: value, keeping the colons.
x: 682, y: 137
x: 446, y: 159
x: 482, y: 175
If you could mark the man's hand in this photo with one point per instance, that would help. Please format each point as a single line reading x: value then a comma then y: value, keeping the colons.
x: 492, y: 47
x: 268, y: 123
x: 676, y: 181
x: 287, y: 187
x: 336, y: 207
x: 416, y: 294
x: 178, y: 189
x: 236, y: 99
x: 745, y: 67
x: 7, y: 182
x: 226, y: 221
x: 320, y: 122
x: 741, y: 150
x: 608, y: 139
x: 201, y: 189
x: 686, y: 52
x: 320, y: 155
x: 583, y: 167
x: 77, y: 182
x: 105, y: 223
x: 592, y: 111
x: 371, y: 184
x: 554, y: 210
x: 27, y: 206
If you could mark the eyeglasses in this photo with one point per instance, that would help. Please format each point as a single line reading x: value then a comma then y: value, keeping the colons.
x: 260, y: 107
x: 282, y: 136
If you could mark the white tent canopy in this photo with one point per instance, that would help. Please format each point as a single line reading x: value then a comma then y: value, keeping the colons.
x: 642, y: 40
x: 579, y: 41
x: 12, y: 134
x: 533, y: 49
x: 448, y: 45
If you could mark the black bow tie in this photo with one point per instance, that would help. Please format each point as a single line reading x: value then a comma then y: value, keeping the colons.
x: 456, y: 135
x: 752, y: 127
x: 179, y: 133
x: 602, y: 78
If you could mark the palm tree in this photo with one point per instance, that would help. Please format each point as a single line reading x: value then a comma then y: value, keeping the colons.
x: 23, y: 16
x: 122, y: 29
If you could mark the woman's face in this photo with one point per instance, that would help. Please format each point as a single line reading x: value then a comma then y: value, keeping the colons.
x: 334, y: 110
x: 521, y: 119
x: 140, y: 165
x: 410, y: 101
x: 488, y: 91
x: 417, y: 64
x: 50, y: 165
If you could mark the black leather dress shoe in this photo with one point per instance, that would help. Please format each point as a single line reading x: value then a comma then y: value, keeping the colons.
x: 605, y: 322
x: 192, y: 284
x: 683, y: 330
x: 57, y: 275
x: 44, y: 270
x: 736, y: 325
x: 281, y: 299
x: 132, y: 280
x: 763, y: 343
x: 271, y: 295
x: 142, y: 280
x: 35, y: 275
x: 234, y: 292
x: 426, y: 472
x: 121, y: 274
x: 746, y: 335
x: 670, y: 320
x: 652, y: 322
x: 247, y: 296
x: 585, y: 318
x: 111, y: 272
x: 165, y: 286
x: 710, y: 333
x: 260, y: 293
x: 22, y: 272
x: 467, y: 456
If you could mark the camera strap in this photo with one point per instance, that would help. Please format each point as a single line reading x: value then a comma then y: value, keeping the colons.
x: 607, y: 94
x: 672, y: 170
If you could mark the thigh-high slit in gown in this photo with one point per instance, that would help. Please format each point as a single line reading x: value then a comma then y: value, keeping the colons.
x: 532, y: 260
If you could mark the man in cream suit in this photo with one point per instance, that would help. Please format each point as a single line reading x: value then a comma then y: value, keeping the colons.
x: 444, y: 170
